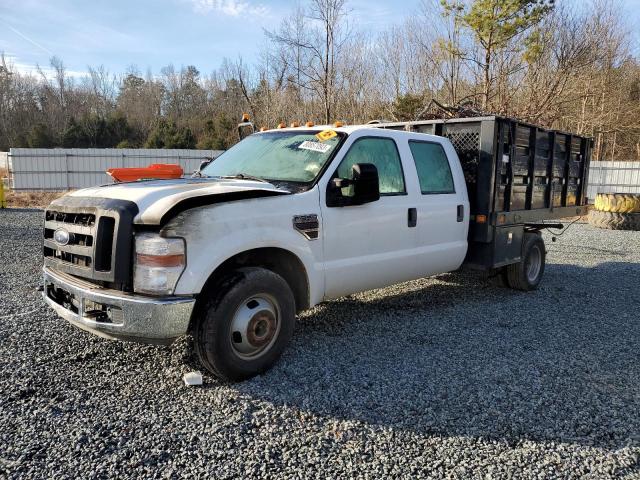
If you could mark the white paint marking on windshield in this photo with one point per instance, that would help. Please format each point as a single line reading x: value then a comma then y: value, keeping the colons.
x: 315, y: 146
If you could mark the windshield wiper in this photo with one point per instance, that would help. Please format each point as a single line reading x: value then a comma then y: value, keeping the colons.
x: 245, y: 176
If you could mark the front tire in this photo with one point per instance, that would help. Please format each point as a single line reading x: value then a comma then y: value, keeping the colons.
x: 245, y: 324
x: 527, y: 274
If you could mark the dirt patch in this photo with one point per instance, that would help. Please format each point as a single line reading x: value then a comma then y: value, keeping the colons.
x: 34, y: 199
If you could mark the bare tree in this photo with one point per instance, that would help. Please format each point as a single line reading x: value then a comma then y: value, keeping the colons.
x: 102, y: 87
x: 317, y: 40
x: 564, y: 67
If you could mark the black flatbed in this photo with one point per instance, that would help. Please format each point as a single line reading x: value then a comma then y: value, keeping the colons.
x: 518, y: 175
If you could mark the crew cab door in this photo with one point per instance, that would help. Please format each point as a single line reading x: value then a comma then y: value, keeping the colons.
x: 442, y: 204
x: 371, y: 245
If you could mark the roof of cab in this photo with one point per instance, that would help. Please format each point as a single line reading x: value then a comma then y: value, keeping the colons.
x: 319, y: 128
x: 349, y: 129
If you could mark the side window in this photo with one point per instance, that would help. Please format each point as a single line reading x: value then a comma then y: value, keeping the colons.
x: 433, y: 168
x: 382, y: 153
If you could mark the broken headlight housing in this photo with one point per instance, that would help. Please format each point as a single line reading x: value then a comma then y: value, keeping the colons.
x: 159, y: 262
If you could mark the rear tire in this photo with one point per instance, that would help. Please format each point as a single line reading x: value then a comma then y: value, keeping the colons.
x: 614, y: 221
x: 618, y: 202
x: 527, y: 274
x: 245, y: 324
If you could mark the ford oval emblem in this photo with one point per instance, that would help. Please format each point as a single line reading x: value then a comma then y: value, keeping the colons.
x: 61, y: 236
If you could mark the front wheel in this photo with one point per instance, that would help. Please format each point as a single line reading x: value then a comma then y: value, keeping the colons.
x: 245, y: 325
x: 527, y: 273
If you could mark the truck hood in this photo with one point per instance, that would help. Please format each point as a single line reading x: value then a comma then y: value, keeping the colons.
x: 158, y: 198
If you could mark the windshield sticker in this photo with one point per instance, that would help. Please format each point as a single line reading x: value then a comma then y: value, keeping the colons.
x: 315, y: 146
x: 326, y: 135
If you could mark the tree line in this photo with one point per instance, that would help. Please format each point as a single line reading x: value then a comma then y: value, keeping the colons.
x: 570, y: 66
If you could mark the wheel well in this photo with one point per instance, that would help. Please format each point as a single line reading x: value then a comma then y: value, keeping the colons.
x: 279, y: 261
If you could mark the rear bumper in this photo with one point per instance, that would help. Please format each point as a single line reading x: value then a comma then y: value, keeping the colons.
x: 115, y: 314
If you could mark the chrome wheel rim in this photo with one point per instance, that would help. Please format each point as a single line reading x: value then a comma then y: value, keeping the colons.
x: 255, y: 326
x: 534, y: 263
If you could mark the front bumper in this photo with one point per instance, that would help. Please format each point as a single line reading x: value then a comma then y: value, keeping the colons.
x: 115, y: 314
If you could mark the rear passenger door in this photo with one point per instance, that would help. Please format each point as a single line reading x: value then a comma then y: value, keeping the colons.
x: 443, y: 208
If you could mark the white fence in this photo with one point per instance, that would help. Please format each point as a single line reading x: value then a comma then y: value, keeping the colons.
x: 73, y: 168
x: 613, y: 177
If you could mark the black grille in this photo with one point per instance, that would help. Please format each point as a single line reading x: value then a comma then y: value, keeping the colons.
x: 67, y: 257
x: 77, y: 238
x: 104, y: 241
x: 75, y: 218
x: 77, y: 252
x: 100, y: 239
x: 89, y: 248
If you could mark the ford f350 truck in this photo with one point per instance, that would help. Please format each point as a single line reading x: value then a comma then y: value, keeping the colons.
x: 292, y: 217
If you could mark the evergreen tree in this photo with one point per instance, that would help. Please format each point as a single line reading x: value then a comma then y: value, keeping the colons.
x: 495, y: 23
x: 40, y: 137
x: 167, y: 135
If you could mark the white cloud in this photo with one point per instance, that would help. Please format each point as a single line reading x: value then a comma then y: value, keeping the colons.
x: 232, y: 8
x: 16, y: 65
x: 48, y: 72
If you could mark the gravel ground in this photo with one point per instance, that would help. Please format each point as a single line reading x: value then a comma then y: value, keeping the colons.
x: 451, y: 376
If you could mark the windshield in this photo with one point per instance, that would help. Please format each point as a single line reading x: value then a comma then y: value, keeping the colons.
x: 278, y: 156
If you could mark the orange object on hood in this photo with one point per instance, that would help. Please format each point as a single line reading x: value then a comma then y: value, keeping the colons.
x: 162, y: 171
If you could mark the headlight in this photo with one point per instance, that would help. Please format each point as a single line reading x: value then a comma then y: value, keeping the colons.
x: 159, y: 263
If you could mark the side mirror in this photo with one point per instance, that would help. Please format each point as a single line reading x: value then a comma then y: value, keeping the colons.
x: 365, y: 183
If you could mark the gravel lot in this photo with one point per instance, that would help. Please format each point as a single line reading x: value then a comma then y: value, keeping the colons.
x: 451, y: 376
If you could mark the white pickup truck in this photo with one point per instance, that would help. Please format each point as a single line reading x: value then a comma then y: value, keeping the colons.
x: 280, y: 222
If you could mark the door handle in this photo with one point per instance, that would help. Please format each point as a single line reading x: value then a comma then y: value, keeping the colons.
x: 460, y: 213
x: 412, y: 217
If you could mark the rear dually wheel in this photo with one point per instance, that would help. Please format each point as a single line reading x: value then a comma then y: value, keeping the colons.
x: 527, y: 273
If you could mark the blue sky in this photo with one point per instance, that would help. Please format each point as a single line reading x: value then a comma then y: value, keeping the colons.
x: 154, y: 33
